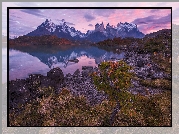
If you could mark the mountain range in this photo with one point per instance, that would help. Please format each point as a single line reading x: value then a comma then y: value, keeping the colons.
x: 100, y: 33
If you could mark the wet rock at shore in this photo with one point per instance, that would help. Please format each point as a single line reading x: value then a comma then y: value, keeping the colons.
x: 74, y: 60
x: 87, y: 68
x: 76, y: 73
x: 56, y: 75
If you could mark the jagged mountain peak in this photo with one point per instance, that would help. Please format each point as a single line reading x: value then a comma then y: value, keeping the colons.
x: 48, y: 25
x: 48, y: 22
x: 63, y: 30
x: 127, y: 25
x: 99, y: 27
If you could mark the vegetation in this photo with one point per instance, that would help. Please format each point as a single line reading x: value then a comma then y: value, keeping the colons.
x: 60, y: 110
x: 136, y: 110
x: 146, y: 111
x: 114, y: 78
x: 157, y: 83
x: 155, y: 42
x: 118, y: 41
x: 163, y: 61
x: 39, y: 40
x: 66, y: 110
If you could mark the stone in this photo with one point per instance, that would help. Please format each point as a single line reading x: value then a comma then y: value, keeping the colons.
x: 87, y: 68
x: 56, y: 75
x: 76, y: 73
x: 85, y: 73
x: 74, y: 60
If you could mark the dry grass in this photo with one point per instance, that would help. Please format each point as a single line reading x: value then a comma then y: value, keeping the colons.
x: 66, y: 110
x: 152, y: 111
x: 62, y: 110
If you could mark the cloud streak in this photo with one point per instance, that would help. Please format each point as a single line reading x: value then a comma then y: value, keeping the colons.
x: 144, y: 20
x: 153, y: 20
x: 35, y: 12
x: 89, y: 17
x: 151, y: 23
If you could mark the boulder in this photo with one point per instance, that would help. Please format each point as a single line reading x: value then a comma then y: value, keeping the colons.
x: 56, y: 75
x: 76, y: 73
x: 19, y: 93
x: 87, y: 68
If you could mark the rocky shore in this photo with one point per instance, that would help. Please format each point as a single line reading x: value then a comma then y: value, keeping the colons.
x: 22, y: 91
x: 145, y: 69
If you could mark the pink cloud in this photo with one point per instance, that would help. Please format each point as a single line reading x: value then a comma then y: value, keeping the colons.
x: 81, y: 17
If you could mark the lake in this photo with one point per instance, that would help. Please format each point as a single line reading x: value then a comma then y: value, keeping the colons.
x: 37, y: 61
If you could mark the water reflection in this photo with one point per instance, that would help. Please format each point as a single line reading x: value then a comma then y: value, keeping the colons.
x: 24, y: 62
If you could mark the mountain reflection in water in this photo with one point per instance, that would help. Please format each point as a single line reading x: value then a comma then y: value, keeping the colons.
x: 27, y: 61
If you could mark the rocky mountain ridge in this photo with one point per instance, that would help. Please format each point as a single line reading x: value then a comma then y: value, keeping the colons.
x: 100, y: 33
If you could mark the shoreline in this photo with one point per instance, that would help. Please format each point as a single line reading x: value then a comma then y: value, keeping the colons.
x: 79, y: 83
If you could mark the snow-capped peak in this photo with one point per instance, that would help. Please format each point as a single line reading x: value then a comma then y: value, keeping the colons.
x: 128, y: 26
x: 61, y: 29
x: 62, y: 22
x: 49, y: 25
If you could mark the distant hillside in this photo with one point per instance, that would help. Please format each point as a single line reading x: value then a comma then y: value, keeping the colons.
x: 162, y: 32
x: 155, y: 42
x: 40, y: 40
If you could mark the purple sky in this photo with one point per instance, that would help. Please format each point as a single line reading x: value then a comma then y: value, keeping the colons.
x: 23, y: 21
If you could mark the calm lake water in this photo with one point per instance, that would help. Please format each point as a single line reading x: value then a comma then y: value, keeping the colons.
x: 23, y: 63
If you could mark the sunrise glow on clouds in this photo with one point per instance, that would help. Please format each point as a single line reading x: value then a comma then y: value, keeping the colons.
x: 23, y: 21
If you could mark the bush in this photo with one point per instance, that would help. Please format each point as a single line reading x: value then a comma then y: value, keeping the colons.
x: 114, y: 78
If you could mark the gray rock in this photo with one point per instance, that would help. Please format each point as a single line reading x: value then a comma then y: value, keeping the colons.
x: 56, y: 75
x: 76, y: 73
x: 87, y: 68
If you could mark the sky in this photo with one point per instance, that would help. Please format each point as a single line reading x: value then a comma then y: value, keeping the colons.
x: 23, y: 21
